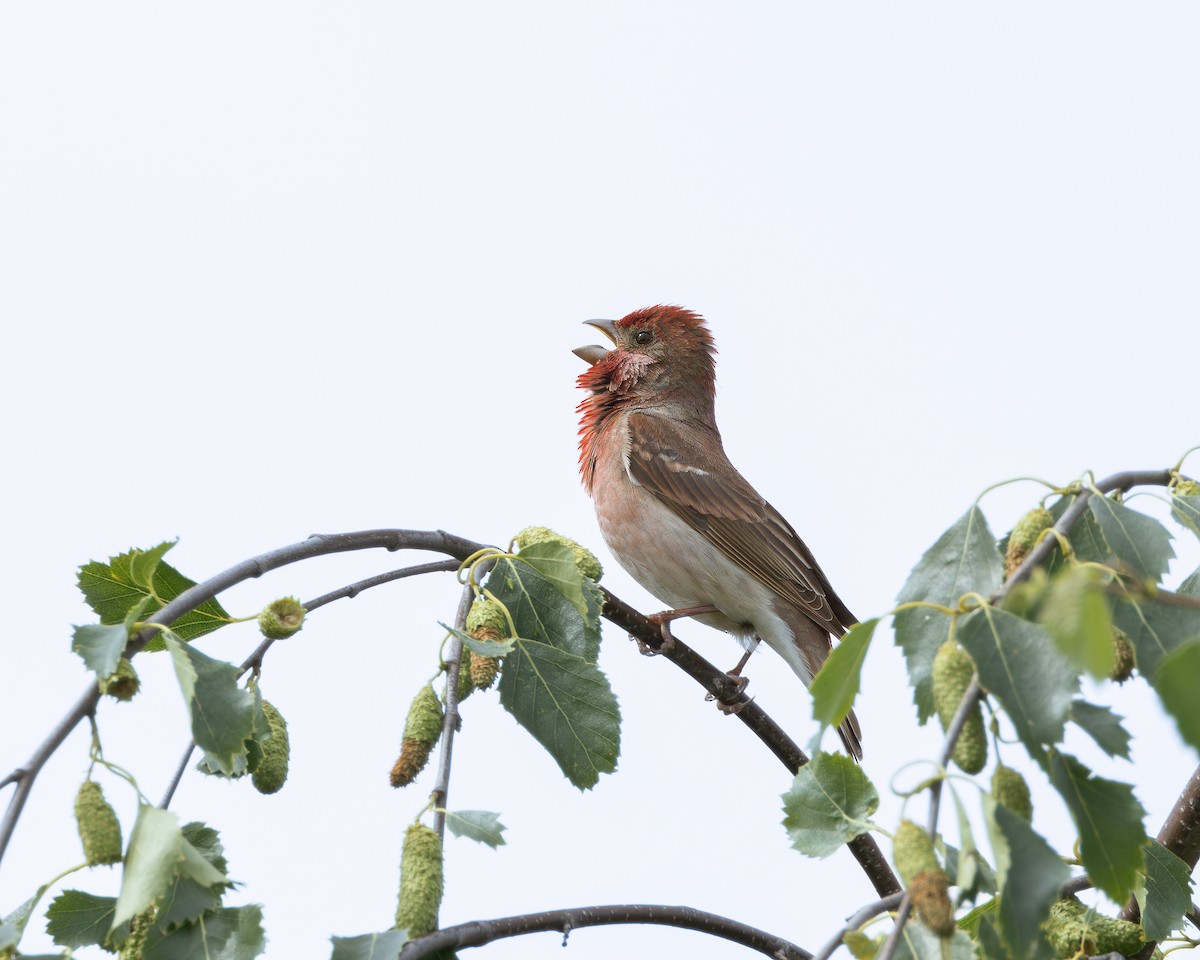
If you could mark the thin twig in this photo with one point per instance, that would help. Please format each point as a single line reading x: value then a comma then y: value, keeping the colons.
x: 254, y: 661
x: 856, y: 920
x: 480, y: 932
x: 315, y: 546
x: 893, y: 941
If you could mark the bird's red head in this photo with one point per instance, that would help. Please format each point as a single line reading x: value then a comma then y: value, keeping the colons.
x: 657, y: 353
x: 661, y: 357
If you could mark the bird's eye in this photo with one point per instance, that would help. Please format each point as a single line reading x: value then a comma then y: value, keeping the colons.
x: 643, y: 337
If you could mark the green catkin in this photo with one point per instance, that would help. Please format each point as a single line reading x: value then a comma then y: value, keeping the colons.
x: 421, y: 881
x: 953, y: 669
x: 1072, y: 930
x: 1124, y: 659
x: 281, y: 618
x: 421, y: 731
x: 585, y: 561
x: 272, y: 770
x: 923, y: 875
x: 123, y: 683
x: 1024, y: 537
x: 99, y: 828
x: 1012, y: 792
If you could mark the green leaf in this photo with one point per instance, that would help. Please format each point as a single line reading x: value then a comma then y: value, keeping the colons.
x: 837, y: 683
x: 566, y: 703
x: 966, y: 868
x: 223, y: 714
x: 1156, y: 627
x: 540, y: 612
x: 369, y: 946
x: 1168, y: 891
x: 1177, y: 681
x: 1136, y: 542
x: 990, y: 945
x: 100, y: 646
x: 115, y: 588
x: 485, y: 648
x: 1017, y: 663
x: 1103, y: 726
x: 1086, y: 537
x: 1109, y: 820
x: 830, y: 803
x: 155, y: 847
x: 188, y: 898
x: 1186, y: 510
x: 232, y: 933
x: 479, y: 825
x: 918, y: 942
x: 1032, y: 874
x: 1075, y: 613
x: 964, y: 560
x: 78, y: 919
x: 158, y: 854
x: 969, y: 923
x: 556, y: 562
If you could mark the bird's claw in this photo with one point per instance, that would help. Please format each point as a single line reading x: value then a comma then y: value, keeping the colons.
x: 643, y: 647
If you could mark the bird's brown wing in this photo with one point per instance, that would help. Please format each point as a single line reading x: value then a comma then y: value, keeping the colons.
x: 717, y: 502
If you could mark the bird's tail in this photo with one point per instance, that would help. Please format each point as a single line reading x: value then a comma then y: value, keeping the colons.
x: 851, y: 735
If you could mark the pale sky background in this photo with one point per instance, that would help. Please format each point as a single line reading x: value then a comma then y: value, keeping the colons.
x: 277, y: 268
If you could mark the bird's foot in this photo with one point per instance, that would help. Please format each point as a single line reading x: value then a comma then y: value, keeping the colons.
x: 731, y: 709
x: 663, y: 621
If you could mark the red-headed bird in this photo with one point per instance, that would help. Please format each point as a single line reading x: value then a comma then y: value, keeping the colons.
x: 677, y: 514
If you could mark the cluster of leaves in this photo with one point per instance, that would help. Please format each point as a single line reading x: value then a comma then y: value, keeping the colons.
x: 1031, y: 643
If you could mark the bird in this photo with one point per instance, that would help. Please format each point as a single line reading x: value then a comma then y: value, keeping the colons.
x: 675, y: 512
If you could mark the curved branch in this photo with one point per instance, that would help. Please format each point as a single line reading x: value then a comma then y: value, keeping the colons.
x: 721, y: 685
x: 317, y: 545
x: 856, y: 920
x: 479, y: 932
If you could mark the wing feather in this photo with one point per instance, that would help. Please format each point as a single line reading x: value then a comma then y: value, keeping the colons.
x: 717, y: 502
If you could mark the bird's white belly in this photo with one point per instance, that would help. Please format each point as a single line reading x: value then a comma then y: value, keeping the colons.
x: 689, y: 571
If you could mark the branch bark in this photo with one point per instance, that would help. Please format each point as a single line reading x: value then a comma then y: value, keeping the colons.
x: 479, y: 932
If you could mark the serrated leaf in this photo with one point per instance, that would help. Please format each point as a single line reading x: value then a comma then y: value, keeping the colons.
x: 1186, y: 510
x: 100, y: 646
x: 231, y: 933
x: 1032, y: 876
x: 479, y: 825
x: 1017, y: 662
x: 1103, y: 726
x: 918, y: 942
x: 369, y: 946
x: 1177, y: 681
x: 155, y: 847
x: 77, y: 919
x: 485, y: 648
x: 830, y: 803
x: 1168, y: 892
x: 556, y: 562
x: 1136, y: 541
x: 115, y: 588
x: 1109, y: 820
x: 837, y: 683
x: 1156, y: 627
x: 188, y: 896
x: 541, y: 613
x: 963, y: 560
x: 565, y: 701
x: 223, y: 714
x: 1075, y: 612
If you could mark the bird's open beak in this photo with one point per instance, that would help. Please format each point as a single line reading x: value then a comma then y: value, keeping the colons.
x: 595, y: 352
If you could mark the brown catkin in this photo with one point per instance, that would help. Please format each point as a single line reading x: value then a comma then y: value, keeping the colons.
x: 421, y: 881
x: 923, y: 875
x: 422, y: 729
x: 1124, y: 659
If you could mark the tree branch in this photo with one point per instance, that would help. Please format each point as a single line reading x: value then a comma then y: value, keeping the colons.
x: 315, y: 546
x: 856, y: 920
x: 480, y: 932
x: 864, y: 848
